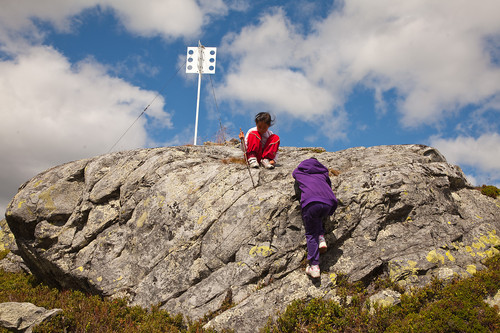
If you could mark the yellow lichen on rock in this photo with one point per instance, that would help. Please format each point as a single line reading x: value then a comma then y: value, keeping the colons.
x: 200, y: 220
x: 471, y: 269
x: 491, y: 252
x: 333, y: 278
x: 263, y: 250
x: 47, y: 198
x: 161, y: 200
x: 491, y: 239
x: 254, y: 209
x: 434, y: 257
x: 398, y: 272
x: 386, y: 302
x: 142, y: 219
x: 478, y: 245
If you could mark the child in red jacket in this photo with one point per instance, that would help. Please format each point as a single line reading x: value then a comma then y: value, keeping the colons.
x: 262, y: 144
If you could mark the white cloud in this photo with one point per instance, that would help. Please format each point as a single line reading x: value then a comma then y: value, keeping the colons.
x: 165, y: 18
x: 482, y: 153
x: 472, y: 180
x: 280, y: 90
x: 18, y: 15
x: 171, y: 18
x: 53, y: 112
x: 434, y: 55
x: 238, y: 5
x: 269, y: 70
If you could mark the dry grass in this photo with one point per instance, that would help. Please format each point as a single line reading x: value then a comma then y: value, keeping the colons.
x: 333, y: 172
x: 234, y: 160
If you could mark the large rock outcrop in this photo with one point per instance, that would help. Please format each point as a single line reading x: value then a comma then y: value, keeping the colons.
x: 183, y: 227
x: 10, y: 261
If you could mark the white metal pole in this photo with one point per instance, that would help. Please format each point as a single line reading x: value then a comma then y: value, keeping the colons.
x: 197, y: 109
x: 201, y: 65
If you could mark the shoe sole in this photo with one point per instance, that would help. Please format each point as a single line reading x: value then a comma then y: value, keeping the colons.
x: 323, y: 249
x: 311, y: 275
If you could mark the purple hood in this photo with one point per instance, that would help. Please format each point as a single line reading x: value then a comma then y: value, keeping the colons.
x: 314, y: 183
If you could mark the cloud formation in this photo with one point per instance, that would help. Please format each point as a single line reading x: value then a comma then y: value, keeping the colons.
x: 482, y: 153
x: 164, y: 18
x: 54, y: 111
x: 437, y: 57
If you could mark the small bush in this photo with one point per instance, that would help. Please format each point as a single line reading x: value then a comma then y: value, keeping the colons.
x: 490, y: 191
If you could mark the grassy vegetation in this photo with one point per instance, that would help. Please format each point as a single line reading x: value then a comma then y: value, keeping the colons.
x: 85, y: 313
x: 317, y: 150
x: 456, y: 306
x: 490, y: 191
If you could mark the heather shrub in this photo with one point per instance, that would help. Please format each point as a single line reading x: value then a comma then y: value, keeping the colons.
x: 89, y: 313
x: 456, y: 306
x: 490, y: 191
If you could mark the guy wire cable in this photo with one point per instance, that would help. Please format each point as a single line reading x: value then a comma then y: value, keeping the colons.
x: 217, y: 108
x: 147, y: 107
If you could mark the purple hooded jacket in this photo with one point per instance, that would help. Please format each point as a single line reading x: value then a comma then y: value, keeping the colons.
x: 314, y: 183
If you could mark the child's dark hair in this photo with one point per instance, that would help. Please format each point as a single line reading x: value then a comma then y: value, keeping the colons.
x: 265, y: 117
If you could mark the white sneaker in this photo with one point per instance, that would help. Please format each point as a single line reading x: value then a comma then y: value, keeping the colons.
x: 267, y: 164
x: 322, y: 244
x: 313, y: 271
x: 252, y: 161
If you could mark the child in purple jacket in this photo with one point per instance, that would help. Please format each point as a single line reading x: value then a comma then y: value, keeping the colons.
x: 317, y: 201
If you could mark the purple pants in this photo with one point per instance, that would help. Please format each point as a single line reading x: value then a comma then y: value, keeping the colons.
x: 313, y: 215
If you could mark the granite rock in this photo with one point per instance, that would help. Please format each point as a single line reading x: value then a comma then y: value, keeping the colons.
x: 183, y: 227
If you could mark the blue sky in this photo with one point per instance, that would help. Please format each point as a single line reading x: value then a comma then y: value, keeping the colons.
x: 74, y: 75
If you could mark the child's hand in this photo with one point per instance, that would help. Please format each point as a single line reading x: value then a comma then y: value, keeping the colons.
x: 241, y: 135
